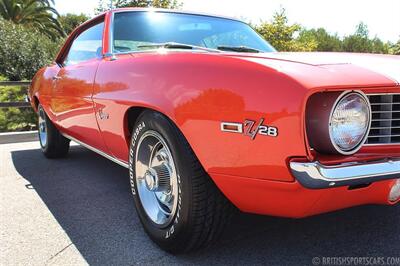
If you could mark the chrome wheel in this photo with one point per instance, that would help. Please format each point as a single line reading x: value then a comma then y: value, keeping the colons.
x: 42, y: 127
x: 156, y: 178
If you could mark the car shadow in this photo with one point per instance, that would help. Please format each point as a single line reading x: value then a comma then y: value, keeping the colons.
x: 90, y: 198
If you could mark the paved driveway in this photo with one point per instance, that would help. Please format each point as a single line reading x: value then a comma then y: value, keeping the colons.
x: 79, y: 210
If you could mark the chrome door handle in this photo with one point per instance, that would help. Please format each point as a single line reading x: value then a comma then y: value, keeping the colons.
x: 56, y: 77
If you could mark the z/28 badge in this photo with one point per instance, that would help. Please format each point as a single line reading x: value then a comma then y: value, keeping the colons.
x: 250, y: 128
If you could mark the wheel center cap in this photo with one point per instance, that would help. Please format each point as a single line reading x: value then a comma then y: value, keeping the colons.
x: 157, y: 178
x: 151, y: 180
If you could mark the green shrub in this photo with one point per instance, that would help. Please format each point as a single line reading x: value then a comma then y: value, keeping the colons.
x: 395, y: 49
x: 15, y: 119
x: 24, y: 51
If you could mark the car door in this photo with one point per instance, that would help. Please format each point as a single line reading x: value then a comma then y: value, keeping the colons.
x: 71, y: 101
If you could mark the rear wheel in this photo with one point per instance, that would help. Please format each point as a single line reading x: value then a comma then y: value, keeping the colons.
x: 53, y: 144
x: 178, y: 204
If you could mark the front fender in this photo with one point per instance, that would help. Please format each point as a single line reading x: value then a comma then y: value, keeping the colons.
x: 200, y: 91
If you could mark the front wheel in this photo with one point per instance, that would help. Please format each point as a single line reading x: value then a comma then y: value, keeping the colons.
x: 53, y: 144
x: 178, y: 204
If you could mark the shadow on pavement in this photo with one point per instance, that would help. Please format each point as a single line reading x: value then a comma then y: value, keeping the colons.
x: 90, y: 198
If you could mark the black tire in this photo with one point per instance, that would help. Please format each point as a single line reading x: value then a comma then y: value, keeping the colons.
x: 53, y: 145
x: 203, y: 210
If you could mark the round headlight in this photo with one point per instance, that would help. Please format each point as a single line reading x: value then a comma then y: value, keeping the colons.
x: 350, y: 122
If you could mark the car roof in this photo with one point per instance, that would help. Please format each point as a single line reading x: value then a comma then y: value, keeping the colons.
x: 151, y: 9
x: 175, y: 11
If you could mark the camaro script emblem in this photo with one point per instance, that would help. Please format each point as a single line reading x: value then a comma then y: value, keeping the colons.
x: 103, y: 115
x: 250, y: 128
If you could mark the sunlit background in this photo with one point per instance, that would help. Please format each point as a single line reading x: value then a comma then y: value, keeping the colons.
x: 336, y: 16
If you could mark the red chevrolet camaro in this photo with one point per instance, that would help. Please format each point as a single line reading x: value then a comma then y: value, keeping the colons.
x: 207, y: 116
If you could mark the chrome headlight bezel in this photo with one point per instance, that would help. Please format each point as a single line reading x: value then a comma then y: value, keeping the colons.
x: 362, y: 140
x: 319, y: 112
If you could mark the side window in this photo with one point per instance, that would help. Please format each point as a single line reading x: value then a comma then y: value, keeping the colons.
x: 86, y: 46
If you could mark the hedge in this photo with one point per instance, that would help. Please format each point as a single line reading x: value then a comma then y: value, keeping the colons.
x: 15, y: 119
x: 23, y: 51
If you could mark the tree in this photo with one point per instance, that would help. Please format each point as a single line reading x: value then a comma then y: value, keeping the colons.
x: 38, y: 14
x: 360, y: 42
x: 379, y: 47
x: 170, y: 4
x: 396, y: 48
x: 325, y: 41
x: 281, y: 35
x: 70, y: 21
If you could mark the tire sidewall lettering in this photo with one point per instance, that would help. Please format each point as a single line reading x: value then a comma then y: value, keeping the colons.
x: 137, y: 131
x: 171, y: 230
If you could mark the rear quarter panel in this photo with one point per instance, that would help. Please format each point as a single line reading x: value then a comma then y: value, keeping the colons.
x: 41, y: 89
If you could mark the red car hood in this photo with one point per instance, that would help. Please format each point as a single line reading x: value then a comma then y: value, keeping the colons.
x: 333, y: 69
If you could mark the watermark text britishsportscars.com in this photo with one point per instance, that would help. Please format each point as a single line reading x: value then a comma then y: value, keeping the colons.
x: 328, y: 261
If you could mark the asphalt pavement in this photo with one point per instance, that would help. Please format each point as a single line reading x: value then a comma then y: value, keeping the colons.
x: 79, y: 210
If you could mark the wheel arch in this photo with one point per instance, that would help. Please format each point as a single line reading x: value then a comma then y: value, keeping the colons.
x: 130, y: 118
x: 35, y: 103
x: 132, y: 114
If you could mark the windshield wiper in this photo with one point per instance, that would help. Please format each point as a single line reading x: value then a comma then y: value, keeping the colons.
x: 241, y: 49
x: 174, y: 45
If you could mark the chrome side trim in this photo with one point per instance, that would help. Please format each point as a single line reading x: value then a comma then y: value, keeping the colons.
x: 315, y: 175
x: 111, y: 158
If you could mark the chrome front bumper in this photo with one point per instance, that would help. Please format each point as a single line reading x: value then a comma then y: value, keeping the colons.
x: 314, y: 175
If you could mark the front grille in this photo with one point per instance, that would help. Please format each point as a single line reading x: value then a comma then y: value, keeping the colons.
x: 385, y: 127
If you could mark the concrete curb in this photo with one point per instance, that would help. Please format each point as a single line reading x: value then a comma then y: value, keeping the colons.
x: 16, y: 137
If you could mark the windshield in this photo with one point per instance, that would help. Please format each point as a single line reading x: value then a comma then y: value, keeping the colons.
x: 136, y: 31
